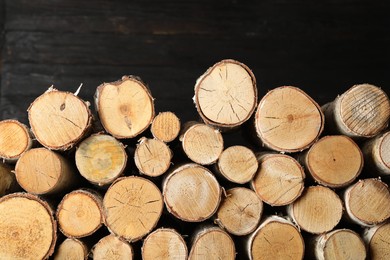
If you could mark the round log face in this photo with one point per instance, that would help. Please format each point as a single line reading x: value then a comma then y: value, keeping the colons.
x: 379, y: 243
x: 384, y: 150
x: 165, y: 127
x: 71, y: 249
x: 14, y: 139
x: 111, y: 247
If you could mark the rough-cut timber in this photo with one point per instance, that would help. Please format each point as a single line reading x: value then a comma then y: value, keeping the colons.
x: 132, y: 207
x: 288, y: 120
x: 80, y: 213
x: 112, y: 248
x: 367, y: 202
x: 59, y: 119
x: 201, y: 143
x: 334, y: 161
x: 15, y: 139
x: 191, y: 193
x: 101, y: 159
x: 240, y: 211
x: 164, y: 244
x: 276, y: 238
x: 318, y: 210
x: 7, y: 180
x: 71, y: 249
x: 165, y: 127
x: 237, y: 164
x: 28, y: 228
x: 125, y: 107
x: 41, y: 171
x: 226, y: 94
x: 377, y: 154
x: 152, y: 157
x: 361, y: 111
x: 279, y: 179
x: 212, y: 243
x: 377, y: 239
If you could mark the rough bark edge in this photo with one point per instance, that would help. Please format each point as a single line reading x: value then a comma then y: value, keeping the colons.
x: 172, y: 139
x: 112, y: 235
x: 373, y: 156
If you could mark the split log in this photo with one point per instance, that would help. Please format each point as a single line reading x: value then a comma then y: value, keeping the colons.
x: 164, y: 244
x: 112, y: 247
x: 334, y: 161
x: 288, y: 120
x: 71, y: 249
x: 41, y: 171
x: 318, y: 210
x: 279, y: 180
x: 276, y: 238
x: 377, y: 154
x: 59, y: 119
x: 361, y: 111
x: 101, y: 159
x: 28, y: 228
x: 125, y: 107
x: 132, y: 207
x: 377, y: 239
x: 80, y: 213
x: 165, y: 127
x: 15, y: 139
x: 367, y: 202
x: 191, y: 193
x: 226, y: 94
x: 7, y: 180
x: 240, y: 212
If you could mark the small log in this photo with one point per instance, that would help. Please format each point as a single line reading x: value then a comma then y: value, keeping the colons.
x: 28, y: 228
x: 41, y: 171
x: 73, y: 249
x: 112, y: 247
x: 318, y: 210
x: 15, y: 139
x: 152, y: 157
x: 288, y: 120
x: 377, y: 239
x: 101, y: 159
x: 165, y: 127
x: 240, y: 212
x: 164, y: 244
x: 132, y: 207
x: 279, y: 180
x: 237, y: 164
x: 7, y: 180
x: 226, y: 94
x: 339, y: 244
x: 377, y: 154
x: 80, y: 213
x: 201, y: 143
x: 334, y: 161
x: 276, y: 238
x: 361, y: 111
x: 367, y: 202
x: 212, y: 243
x: 191, y: 193
x: 59, y: 119
x: 125, y: 107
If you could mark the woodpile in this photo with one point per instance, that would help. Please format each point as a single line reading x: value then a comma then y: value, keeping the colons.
x: 313, y: 184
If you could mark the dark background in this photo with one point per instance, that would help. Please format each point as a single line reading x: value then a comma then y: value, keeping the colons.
x: 322, y: 47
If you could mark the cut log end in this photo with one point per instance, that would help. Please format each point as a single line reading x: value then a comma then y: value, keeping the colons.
x: 15, y: 139
x: 71, y: 249
x: 377, y: 154
x: 165, y: 127
x: 7, y: 179
x: 113, y: 248
x: 378, y: 240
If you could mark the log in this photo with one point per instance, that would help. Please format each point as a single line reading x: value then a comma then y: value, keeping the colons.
x: 165, y: 127
x: 240, y: 211
x: 191, y: 193
x: 80, y: 213
x: 58, y: 119
x: 164, y: 244
x: 7, y: 180
x: 132, y: 207
x: 279, y: 180
x: 288, y: 120
x: 15, y: 139
x: 125, y: 107
x: 362, y: 111
x: 28, y: 228
x: 276, y: 238
x: 226, y: 94
x: 201, y: 143
x: 367, y: 202
x: 112, y: 247
x: 377, y: 239
x: 101, y: 159
x: 73, y: 249
x: 212, y: 243
x: 152, y: 157
x: 334, y: 161
x: 377, y: 154
x: 318, y: 210
x: 237, y: 164
x: 41, y: 171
